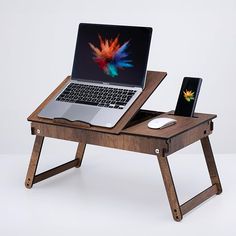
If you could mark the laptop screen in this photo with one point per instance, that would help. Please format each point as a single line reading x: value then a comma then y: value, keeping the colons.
x: 112, y: 54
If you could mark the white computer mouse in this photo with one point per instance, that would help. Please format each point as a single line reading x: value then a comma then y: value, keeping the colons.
x: 160, y: 123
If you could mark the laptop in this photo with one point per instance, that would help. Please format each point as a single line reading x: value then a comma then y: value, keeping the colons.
x: 108, y: 75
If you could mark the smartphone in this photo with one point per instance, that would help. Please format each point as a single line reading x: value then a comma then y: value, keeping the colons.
x: 188, y: 96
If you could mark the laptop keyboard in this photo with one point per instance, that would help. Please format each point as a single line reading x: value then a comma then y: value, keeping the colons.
x: 96, y: 95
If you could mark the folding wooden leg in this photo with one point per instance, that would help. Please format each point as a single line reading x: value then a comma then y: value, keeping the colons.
x: 38, y: 143
x: 211, y: 165
x: 170, y: 188
x: 32, y: 178
x: 80, y: 154
x: 179, y: 210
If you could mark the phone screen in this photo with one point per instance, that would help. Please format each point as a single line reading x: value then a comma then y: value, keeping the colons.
x: 188, y: 96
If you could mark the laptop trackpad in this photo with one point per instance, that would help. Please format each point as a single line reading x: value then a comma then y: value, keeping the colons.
x: 81, y: 113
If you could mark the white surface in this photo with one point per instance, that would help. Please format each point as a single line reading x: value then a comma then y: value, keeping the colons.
x: 158, y: 123
x: 113, y: 193
x: 190, y: 38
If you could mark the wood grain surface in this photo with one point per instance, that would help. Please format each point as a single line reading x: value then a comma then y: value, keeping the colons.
x: 154, y: 78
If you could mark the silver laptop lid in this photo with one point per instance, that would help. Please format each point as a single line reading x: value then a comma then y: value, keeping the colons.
x: 112, y: 54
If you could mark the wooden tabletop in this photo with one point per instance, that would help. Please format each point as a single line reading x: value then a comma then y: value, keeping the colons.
x: 134, y: 121
x: 154, y: 78
x: 183, y: 124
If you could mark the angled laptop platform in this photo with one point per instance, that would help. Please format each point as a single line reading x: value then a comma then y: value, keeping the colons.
x: 131, y: 133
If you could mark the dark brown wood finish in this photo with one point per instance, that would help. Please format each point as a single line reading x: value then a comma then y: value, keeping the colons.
x: 80, y: 154
x: 198, y: 199
x: 133, y: 136
x: 170, y: 188
x: 138, y: 142
x: 38, y: 143
x: 121, y: 141
x: 188, y: 137
x: 209, y: 157
x: 154, y: 78
x: 127, y: 140
x: 55, y: 170
x: 183, y: 124
x: 179, y: 210
x: 34, y: 115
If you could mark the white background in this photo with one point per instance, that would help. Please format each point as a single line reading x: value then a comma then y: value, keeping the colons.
x: 190, y: 38
x: 115, y: 192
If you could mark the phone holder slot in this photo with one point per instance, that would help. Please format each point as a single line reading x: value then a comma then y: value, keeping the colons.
x: 171, y: 113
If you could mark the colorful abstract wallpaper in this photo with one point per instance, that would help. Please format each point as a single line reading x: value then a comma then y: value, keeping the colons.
x: 111, y: 56
x: 188, y: 95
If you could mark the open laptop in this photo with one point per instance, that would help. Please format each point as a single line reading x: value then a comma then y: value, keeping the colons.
x: 108, y: 75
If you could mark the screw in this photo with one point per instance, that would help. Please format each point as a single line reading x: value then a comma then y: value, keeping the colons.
x: 157, y: 151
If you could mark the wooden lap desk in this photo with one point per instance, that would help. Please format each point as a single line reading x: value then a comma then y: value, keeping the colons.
x: 132, y: 136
